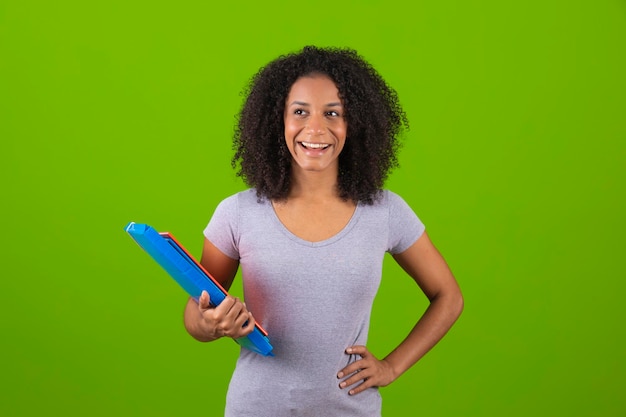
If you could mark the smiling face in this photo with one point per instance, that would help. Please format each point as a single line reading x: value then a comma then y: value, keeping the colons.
x: 315, y: 129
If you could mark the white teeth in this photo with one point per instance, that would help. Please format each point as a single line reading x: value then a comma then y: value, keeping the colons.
x: 315, y: 145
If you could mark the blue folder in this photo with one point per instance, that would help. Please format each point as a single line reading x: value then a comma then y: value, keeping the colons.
x: 190, y: 275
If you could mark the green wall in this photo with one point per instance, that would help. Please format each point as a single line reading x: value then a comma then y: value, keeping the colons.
x: 123, y: 110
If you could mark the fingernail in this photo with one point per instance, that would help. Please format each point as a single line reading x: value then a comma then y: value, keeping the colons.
x: 343, y: 384
x: 340, y: 374
x: 351, y: 393
x: 349, y: 350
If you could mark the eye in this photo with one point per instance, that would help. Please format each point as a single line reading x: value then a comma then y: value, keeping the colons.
x: 299, y: 112
x: 332, y: 113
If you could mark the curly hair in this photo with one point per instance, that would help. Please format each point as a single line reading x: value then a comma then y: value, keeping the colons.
x: 372, y: 112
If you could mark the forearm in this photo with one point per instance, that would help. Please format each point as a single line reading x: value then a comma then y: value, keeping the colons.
x: 438, y: 318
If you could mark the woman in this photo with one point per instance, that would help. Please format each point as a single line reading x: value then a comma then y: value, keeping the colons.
x: 316, y: 138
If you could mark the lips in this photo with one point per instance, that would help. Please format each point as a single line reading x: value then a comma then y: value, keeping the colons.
x: 314, y: 146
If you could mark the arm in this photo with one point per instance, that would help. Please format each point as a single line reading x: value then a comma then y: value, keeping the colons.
x: 423, y: 262
x: 206, y: 323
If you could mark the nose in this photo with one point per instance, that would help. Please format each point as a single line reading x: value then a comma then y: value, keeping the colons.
x: 315, y: 125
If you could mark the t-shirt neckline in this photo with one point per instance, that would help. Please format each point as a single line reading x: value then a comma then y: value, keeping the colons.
x: 338, y: 236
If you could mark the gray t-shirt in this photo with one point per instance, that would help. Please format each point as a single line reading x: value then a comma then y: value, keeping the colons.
x: 313, y: 298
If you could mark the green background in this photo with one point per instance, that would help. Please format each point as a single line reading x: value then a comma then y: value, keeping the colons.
x: 123, y: 110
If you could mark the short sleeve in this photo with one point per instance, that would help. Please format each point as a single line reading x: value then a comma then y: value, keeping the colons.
x: 404, y: 225
x: 222, y: 229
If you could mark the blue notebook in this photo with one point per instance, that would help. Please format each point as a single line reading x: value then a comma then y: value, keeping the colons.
x: 190, y: 275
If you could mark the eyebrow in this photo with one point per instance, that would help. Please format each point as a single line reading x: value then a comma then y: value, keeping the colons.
x: 302, y: 103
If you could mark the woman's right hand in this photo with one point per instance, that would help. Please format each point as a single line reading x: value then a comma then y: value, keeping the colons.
x: 230, y: 318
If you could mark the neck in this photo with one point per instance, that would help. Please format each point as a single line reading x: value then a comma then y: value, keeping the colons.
x: 313, y: 184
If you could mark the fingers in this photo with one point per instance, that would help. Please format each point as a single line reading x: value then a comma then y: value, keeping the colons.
x: 355, y: 366
x: 356, y: 371
x: 204, y: 302
x: 367, y: 372
x: 358, y: 350
x: 248, y: 326
x: 360, y: 376
x: 230, y: 318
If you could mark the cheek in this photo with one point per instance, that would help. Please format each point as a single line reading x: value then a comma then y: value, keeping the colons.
x: 341, y: 133
x: 291, y: 130
x: 290, y: 133
x: 341, y: 127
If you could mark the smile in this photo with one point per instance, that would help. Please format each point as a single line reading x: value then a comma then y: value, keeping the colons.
x: 311, y: 145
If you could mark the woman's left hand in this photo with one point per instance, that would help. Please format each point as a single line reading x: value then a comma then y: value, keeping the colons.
x: 369, y: 371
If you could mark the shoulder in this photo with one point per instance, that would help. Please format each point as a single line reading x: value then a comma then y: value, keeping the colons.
x: 245, y: 202
x: 387, y: 205
x: 389, y: 199
x: 405, y: 228
x: 240, y: 198
x: 397, y: 207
